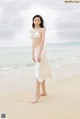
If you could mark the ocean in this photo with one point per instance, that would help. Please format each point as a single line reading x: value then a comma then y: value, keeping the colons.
x: 16, y: 59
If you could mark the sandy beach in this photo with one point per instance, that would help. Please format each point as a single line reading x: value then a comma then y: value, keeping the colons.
x: 62, y: 101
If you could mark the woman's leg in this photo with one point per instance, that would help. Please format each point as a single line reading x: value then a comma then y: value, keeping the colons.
x: 37, y: 88
x: 43, y: 88
x: 37, y: 94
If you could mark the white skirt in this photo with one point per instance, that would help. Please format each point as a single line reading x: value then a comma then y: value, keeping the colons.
x: 43, y: 69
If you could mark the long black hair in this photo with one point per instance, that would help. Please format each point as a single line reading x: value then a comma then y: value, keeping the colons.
x: 41, y: 19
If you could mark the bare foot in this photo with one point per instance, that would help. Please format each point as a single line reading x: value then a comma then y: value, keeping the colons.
x: 43, y: 94
x: 35, y: 99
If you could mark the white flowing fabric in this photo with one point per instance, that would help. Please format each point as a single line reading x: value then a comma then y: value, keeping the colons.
x: 43, y: 69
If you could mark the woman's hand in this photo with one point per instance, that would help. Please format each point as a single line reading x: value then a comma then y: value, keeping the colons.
x: 39, y: 58
x: 33, y: 59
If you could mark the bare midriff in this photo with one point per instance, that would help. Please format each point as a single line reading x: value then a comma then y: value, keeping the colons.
x: 36, y: 42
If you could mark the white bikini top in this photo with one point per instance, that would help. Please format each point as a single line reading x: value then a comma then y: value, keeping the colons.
x: 35, y: 35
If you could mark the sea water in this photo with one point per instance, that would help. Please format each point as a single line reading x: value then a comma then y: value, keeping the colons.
x: 15, y: 61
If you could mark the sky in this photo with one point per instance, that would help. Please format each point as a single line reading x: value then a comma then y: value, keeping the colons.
x: 62, y: 21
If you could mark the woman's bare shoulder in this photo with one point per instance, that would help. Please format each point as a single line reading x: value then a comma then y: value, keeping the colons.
x: 43, y: 29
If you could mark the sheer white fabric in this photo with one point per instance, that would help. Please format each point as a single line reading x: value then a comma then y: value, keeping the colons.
x: 43, y: 69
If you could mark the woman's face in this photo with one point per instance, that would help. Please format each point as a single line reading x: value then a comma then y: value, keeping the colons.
x: 37, y: 21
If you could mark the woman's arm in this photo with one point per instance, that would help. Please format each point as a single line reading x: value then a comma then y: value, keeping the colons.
x: 33, y: 58
x: 42, y: 42
x: 32, y: 49
x: 32, y: 43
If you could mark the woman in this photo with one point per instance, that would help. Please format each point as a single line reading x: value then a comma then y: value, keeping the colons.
x: 40, y: 56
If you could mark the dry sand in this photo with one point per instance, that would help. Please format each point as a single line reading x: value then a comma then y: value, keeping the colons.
x: 62, y: 101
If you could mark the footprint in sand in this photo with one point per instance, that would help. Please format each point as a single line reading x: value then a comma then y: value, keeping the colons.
x: 27, y: 99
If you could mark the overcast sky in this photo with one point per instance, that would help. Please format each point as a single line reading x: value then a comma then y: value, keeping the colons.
x: 62, y: 21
